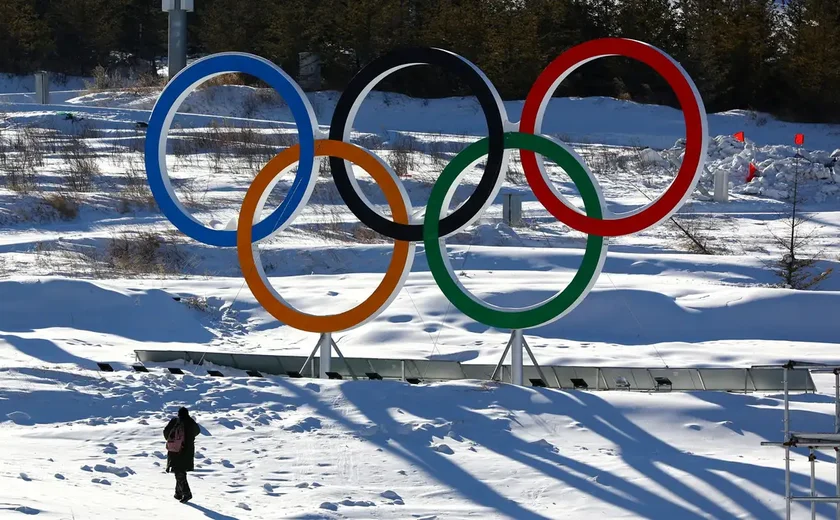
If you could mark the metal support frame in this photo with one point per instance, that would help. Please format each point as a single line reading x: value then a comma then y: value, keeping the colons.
x: 815, y: 442
x: 515, y: 345
x: 326, y: 345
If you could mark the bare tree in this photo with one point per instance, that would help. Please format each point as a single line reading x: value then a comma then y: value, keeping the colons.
x: 796, y: 268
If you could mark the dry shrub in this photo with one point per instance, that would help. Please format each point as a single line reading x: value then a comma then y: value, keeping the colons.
x: 135, y: 192
x: 403, y: 155
x: 230, y: 78
x: 22, y: 154
x: 147, y: 82
x: 65, y: 206
x: 515, y: 174
x: 258, y: 99
x: 362, y: 233
x: 103, y: 80
x: 144, y: 252
x: 82, y: 167
x: 49, y: 208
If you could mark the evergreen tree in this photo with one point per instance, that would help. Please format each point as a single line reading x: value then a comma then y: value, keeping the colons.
x: 812, y: 52
x: 24, y: 37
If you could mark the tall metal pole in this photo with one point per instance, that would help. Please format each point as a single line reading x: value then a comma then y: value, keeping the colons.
x: 177, y: 36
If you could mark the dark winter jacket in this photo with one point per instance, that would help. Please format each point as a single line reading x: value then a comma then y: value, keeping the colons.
x: 183, y: 460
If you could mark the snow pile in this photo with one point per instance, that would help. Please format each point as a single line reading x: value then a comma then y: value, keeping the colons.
x: 777, y: 167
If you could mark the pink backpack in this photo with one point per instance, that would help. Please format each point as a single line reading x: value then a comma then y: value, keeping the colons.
x: 176, y: 439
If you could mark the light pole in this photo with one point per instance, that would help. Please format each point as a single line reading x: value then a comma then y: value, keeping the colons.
x: 177, y: 10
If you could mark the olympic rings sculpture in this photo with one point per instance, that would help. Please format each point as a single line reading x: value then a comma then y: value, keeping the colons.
x: 597, y: 221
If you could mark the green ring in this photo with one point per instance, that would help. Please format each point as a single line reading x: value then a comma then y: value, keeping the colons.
x: 544, y: 312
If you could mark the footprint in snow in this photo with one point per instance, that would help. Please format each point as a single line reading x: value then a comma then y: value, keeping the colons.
x: 357, y: 503
x: 230, y: 424
x: 243, y: 505
x: 114, y: 470
x: 306, y: 425
x: 393, y: 497
x: 443, y: 448
x: 109, y: 449
x: 390, y: 495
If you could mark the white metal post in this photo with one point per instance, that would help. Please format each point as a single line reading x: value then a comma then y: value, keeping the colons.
x: 42, y: 87
x: 326, y: 355
x: 812, y: 458
x: 837, y: 430
x: 787, y: 446
x: 721, y: 179
x: 516, y: 358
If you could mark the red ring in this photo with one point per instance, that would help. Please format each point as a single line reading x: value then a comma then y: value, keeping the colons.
x: 694, y: 124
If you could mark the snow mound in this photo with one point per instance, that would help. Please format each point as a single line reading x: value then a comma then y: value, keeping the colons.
x: 777, y: 165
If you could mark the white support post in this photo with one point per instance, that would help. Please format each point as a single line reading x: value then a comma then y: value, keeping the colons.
x: 42, y: 87
x: 516, y: 358
x: 812, y: 458
x: 721, y: 186
x: 326, y: 354
x: 787, y: 446
x: 837, y: 430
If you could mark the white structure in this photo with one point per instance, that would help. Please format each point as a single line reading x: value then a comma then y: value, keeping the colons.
x: 42, y: 88
x: 721, y: 186
x: 813, y: 441
x: 512, y: 209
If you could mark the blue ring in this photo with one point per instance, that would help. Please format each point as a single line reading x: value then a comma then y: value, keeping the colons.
x: 183, y: 82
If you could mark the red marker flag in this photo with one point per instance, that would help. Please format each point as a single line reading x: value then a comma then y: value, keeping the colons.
x: 752, y: 174
x: 799, y: 139
x: 739, y: 136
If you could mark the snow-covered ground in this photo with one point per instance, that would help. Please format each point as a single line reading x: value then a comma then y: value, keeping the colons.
x: 80, y: 444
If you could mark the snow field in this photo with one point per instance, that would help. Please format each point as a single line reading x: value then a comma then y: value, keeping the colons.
x: 86, y: 445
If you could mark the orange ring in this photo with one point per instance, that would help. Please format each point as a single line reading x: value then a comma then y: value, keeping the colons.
x: 251, y: 266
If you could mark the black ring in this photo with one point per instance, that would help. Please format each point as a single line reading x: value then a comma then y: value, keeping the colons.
x: 487, y: 98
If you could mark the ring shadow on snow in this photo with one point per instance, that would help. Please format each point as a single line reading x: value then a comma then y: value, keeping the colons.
x: 639, y: 317
x: 640, y: 450
x: 139, y: 315
x: 45, y: 350
x: 88, y: 399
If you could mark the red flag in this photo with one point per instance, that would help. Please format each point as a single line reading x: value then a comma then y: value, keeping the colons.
x: 752, y: 174
x: 739, y: 136
x: 799, y: 139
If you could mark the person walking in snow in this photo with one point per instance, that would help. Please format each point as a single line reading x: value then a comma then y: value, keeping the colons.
x: 180, y: 436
